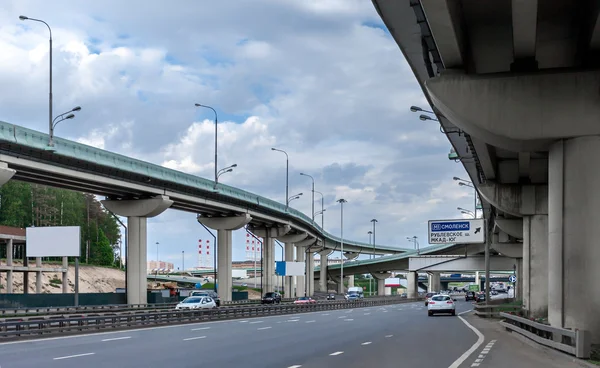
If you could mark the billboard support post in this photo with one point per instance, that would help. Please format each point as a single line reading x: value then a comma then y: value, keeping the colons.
x: 76, y: 301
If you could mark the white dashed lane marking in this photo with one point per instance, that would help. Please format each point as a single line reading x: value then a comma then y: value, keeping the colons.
x: 366, y: 343
x: 483, y: 354
x: 117, y: 338
x: 194, y: 338
x: 337, y: 353
x: 73, y: 356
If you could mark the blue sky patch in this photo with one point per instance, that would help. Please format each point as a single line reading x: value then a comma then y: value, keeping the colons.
x: 378, y: 25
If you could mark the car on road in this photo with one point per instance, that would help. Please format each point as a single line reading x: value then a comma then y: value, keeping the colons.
x: 271, y: 298
x: 480, y: 298
x: 428, y: 296
x: 305, y: 300
x: 197, y: 302
x: 441, y: 304
x: 353, y: 297
x: 330, y: 296
x: 210, y: 293
x: 470, y: 295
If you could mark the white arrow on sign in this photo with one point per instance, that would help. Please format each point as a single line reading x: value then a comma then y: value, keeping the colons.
x: 512, y: 278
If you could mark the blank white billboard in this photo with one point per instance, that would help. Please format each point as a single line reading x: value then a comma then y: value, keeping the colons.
x: 294, y: 268
x: 53, y: 241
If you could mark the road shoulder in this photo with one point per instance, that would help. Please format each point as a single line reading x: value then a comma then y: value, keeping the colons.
x: 502, y: 349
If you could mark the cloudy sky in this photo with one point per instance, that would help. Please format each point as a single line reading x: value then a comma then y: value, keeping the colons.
x: 321, y: 79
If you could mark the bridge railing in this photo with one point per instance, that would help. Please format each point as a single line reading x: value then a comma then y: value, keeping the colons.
x: 11, y: 330
x: 574, y: 342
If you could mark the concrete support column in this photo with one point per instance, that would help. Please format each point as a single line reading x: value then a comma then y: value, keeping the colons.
x: 412, y: 279
x: 301, y: 280
x: 136, y: 261
x: 556, y: 183
x: 381, y: 287
x: 9, y: 262
x: 310, y: 263
x: 573, y: 248
x: 288, y: 289
x: 518, y: 292
x: 137, y: 212
x: 38, y: 276
x: 435, y: 282
x: 350, y: 281
x: 323, y: 270
x: 429, y: 283
x: 535, y: 265
x: 269, y: 264
x: 224, y: 274
x: 65, y: 279
x: 478, y: 279
x: 340, y: 287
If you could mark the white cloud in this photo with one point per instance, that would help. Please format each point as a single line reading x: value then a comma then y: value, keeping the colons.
x: 319, y: 79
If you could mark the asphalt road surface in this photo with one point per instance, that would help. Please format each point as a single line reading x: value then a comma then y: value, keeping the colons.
x: 400, y: 335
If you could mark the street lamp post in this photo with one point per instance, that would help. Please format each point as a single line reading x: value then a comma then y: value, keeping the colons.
x: 216, y: 135
x: 223, y: 171
x: 50, y: 125
x: 313, y: 195
x: 322, y: 210
x: 370, y: 257
x: 183, y: 260
x: 287, y: 176
x: 374, y: 221
x: 296, y: 196
x: 341, y: 201
x: 467, y: 183
x: 466, y: 211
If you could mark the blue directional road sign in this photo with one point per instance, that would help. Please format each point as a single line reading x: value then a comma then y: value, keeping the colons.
x: 459, y: 231
x: 512, y: 278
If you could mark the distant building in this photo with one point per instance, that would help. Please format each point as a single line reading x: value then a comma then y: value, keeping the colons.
x: 152, y: 266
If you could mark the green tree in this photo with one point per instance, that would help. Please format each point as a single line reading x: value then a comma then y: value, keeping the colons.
x: 102, y: 252
x: 15, y: 204
x: 23, y: 205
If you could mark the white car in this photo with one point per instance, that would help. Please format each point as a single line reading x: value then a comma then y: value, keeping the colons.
x: 197, y: 302
x: 441, y: 304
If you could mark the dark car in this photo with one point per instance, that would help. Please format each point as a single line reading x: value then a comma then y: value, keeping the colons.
x: 330, y: 296
x: 271, y: 298
x: 480, y: 297
x: 427, y: 297
x: 470, y: 295
x: 209, y: 293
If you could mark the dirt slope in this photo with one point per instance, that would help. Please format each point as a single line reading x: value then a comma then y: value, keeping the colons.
x: 92, y: 279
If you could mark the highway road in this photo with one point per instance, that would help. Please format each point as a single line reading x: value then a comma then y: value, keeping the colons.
x: 399, y: 335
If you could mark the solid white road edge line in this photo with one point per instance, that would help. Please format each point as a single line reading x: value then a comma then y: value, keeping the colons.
x: 475, y: 346
x: 184, y: 325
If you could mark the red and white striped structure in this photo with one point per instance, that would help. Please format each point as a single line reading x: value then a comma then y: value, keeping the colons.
x: 204, y: 258
x: 252, y: 248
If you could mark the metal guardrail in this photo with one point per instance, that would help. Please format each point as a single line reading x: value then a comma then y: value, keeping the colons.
x: 12, y: 312
x: 119, y: 309
x: 494, y: 310
x: 11, y: 330
x: 574, y: 342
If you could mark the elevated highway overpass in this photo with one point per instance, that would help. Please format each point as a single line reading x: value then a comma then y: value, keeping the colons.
x: 514, y: 85
x: 138, y: 190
